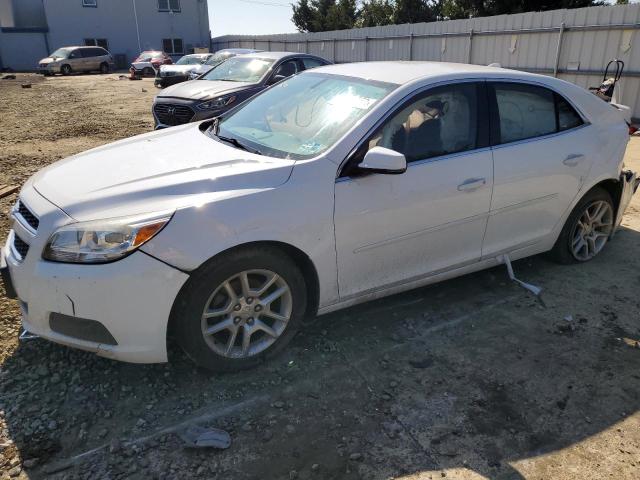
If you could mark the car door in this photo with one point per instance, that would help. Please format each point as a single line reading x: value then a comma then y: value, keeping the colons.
x: 284, y: 70
x: 90, y: 59
x: 392, y: 229
x: 76, y: 60
x: 541, y: 152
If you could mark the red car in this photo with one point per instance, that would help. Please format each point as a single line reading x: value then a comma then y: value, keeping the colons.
x: 148, y: 63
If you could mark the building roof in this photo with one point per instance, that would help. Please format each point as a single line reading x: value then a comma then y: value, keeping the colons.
x: 401, y: 72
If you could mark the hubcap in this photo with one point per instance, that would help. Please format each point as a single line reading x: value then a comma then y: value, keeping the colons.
x: 592, y: 230
x: 247, y: 313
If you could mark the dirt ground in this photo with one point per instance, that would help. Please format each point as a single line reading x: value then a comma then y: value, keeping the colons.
x: 470, y: 379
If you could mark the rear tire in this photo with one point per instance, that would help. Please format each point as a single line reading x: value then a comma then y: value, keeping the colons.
x: 65, y: 70
x: 587, y: 230
x: 225, y: 322
x: 104, y: 68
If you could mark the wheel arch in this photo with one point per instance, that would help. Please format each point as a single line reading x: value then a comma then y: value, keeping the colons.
x: 300, y: 258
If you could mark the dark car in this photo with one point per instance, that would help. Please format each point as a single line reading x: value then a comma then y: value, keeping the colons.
x: 227, y: 85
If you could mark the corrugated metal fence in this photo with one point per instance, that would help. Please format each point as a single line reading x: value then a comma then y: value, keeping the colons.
x: 572, y: 44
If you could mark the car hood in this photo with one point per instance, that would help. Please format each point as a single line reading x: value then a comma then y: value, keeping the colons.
x: 202, y: 89
x: 49, y: 60
x: 178, y: 68
x: 158, y: 171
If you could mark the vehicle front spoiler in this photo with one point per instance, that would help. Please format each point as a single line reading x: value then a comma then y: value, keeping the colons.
x: 629, y: 184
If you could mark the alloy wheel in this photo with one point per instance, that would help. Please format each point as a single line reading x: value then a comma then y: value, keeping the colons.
x: 592, y: 230
x: 247, y: 313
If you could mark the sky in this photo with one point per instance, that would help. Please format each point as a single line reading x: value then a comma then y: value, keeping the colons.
x: 256, y: 17
x: 250, y: 17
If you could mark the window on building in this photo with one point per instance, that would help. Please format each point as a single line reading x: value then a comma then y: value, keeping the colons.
x: 168, y: 5
x: 172, y: 45
x: 97, y: 42
x: 89, y: 3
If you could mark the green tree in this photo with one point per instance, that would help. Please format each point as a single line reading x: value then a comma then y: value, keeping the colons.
x: 374, y: 13
x: 302, y: 16
x: 413, y: 11
x: 342, y: 15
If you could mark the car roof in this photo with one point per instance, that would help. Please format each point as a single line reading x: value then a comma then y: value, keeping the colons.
x: 277, y: 55
x: 238, y: 51
x: 401, y: 72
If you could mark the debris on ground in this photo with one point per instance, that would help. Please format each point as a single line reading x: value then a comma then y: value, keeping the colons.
x: 199, y: 437
x: 6, y: 190
x: 26, y: 85
x: 9, y: 77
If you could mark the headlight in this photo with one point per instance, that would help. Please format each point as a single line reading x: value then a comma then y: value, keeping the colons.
x: 216, y: 103
x: 102, y: 241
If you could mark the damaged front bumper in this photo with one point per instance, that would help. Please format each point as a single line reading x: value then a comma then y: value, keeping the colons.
x: 629, y: 182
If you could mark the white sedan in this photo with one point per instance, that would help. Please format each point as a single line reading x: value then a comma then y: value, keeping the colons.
x: 339, y: 185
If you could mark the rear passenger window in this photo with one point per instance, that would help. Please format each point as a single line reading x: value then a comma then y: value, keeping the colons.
x: 311, y: 63
x: 528, y: 111
x: 567, y: 117
x: 525, y: 111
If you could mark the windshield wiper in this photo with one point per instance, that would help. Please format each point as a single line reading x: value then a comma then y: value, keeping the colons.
x: 213, y: 131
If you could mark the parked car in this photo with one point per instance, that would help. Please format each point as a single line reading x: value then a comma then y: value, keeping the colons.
x: 179, y: 72
x: 68, y: 60
x: 227, y: 85
x: 148, y: 63
x: 339, y: 185
x: 217, y: 58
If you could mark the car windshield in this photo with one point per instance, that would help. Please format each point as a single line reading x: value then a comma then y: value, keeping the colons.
x: 217, y: 58
x: 61, y: 53
x: 146, y: 56
x: 239, y: 69
x: 303, y: 116
x: 189, y: 60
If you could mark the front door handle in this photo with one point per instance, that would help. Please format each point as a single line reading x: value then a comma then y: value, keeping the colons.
x: 471, y: 184
x: 573, y: 159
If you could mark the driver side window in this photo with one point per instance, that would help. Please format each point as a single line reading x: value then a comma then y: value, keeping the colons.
x: 287, y: 69
x: 439, y: 122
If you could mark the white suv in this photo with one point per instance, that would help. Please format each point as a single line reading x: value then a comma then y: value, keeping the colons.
x: 336, y: 186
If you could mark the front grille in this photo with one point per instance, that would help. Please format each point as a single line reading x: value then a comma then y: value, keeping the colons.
x: 29, y: 217
x: 21, y: 247
x: 171, y: 115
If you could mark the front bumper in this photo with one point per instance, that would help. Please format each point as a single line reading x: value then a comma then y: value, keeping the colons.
x: 161, y: 81
x: 163, y: 120
x: 48, y: 69
x: 131, y: 298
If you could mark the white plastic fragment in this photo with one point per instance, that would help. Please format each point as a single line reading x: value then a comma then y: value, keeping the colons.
x: 532, y: 288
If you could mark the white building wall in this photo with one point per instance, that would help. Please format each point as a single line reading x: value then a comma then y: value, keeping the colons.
x: 70, y: 23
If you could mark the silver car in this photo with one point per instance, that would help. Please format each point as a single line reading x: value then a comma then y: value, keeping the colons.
x: 180, y: 71
x: 227, y: 85
x: 68, y: 60
x: 217, y: 58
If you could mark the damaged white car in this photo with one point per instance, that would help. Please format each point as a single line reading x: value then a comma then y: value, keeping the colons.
x: 336, y: 186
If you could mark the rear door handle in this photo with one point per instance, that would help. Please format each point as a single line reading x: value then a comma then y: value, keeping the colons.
x: 471, y: 184
x: 573, y: 159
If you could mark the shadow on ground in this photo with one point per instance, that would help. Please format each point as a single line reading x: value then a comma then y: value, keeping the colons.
x: 473, y: 373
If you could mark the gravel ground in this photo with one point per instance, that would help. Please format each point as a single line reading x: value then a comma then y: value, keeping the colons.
x: 470, y: 379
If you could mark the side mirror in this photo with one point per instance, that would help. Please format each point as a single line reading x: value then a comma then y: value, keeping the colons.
x: 383, y: 160
x: 276, y: 78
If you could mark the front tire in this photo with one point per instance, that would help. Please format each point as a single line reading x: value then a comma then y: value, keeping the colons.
x: 587, y: 229
x: 65, y: 70
x: 240, y: 310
